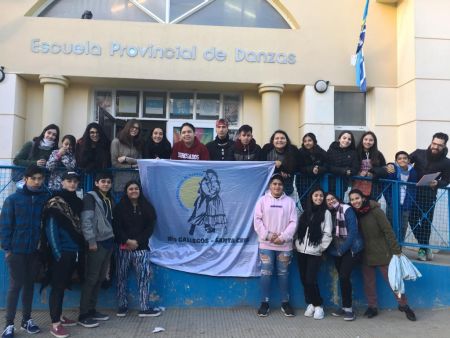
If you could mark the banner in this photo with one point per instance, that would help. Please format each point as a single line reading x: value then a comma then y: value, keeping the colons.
x: 205, y: 214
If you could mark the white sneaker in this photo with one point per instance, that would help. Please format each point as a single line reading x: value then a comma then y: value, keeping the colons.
x: 318, y: 313
x: 309, y: 311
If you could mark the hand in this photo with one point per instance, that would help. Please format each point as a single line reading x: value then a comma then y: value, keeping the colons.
x: 41, y: 162
x: 316, y: 170
x: 122, y: 159
x: 277, y: 164
x: 348, y: 172
x: 7, y: 254
x: 284, y: 175
x: 132, y: 244
x: 433, y: 184
x: 390, y: 168
x: 273, y: 237
x: 62, y: 151
x: 93, y: 247
x: 278, y: 241
x: 363, y: 173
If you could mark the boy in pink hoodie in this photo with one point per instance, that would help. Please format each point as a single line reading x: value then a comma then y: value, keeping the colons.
x: 275, y: 222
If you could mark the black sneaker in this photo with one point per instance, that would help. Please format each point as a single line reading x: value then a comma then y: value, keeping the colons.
x: 30, y: 326
x: 338, y: 312
x: 87, y: 322
x: 408, y: 312
x: 122, y: 312
x: 149, y: 313
x: 263, y: 310
x: 8, y: 332
x: 287, y: 309
x: 349, y: 316
x: 98, y: 316
x: 371, y: 312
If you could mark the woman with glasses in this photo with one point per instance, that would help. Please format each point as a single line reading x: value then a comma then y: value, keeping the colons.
x: 92, y: 151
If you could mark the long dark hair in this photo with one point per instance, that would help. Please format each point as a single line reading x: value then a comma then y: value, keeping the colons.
x: 125, y: 137
x: 374, y: 153
x: 86, y: 142
x: 144, y: 205
x: 352, y: 144
x: 37, y: 140
x: 72, y: 142
x: 312, y: 219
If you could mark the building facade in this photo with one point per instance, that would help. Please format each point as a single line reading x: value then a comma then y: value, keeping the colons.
x: 252, y: 62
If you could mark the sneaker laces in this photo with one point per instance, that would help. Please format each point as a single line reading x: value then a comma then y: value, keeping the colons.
x: 30, y: 323
x: 9, y: 329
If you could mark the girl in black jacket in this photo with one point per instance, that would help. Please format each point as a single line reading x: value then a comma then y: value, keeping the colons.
x: 283, y: 153
x: 311, y: 164
x: 342, y: 161
x: 93, y: 149
x: 134, y: 218
x: 157, y: 146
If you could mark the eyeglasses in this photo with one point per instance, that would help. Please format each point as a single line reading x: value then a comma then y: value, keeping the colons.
x: 93, y: 132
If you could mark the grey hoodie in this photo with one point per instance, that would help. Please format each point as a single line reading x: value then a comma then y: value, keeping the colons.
x: 94, y: 221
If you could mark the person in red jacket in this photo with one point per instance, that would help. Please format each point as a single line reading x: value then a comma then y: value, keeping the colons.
x: 189, y: 148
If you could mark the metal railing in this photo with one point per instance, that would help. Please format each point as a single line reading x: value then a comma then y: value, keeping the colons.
x: 419, y: 215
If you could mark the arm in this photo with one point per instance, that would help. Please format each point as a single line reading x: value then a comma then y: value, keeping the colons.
x: 258, y: 222
x: 87, y: 219
x: 288, y: 233
x: 21, y: 158
x: 54, y: 160
x: 386, y: 229
x: 326, y: 231
x: 7, y: 221
x: 355, y: 165
x: 380, y: 171
x: 445, y: 175
x: 51, y: 230
x: 69, y: 161
x: 115, y: 154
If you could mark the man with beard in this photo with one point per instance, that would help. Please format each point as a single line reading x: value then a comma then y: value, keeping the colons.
x: 428, y: 161
x: 221, y: 149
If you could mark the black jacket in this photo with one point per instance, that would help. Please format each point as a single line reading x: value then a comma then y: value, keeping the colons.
x: 425, y: 163
x: 252, y: 152
x: 161, y: 150
x: 289, y: 163
x: 342, y: 159
x: 308, y: 159
x: 378, y: 164
x: 221, y: 150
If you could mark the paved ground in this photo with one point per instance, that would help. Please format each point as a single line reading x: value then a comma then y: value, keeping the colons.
x: 243, y: 322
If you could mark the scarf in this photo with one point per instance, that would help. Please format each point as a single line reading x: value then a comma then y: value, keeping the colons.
x: 365, y: 208
x: 46, y: 144
x: 339, y: 224
x: 311, y: 221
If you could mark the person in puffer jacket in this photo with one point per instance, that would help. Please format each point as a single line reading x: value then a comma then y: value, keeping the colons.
x: 313, y: 238
x: 275, y: 222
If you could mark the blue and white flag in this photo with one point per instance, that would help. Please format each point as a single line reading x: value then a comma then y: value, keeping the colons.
x: 358, y: 58
x: 205, y: 214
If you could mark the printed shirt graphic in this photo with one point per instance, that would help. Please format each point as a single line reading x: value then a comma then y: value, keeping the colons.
x: 205, y: 214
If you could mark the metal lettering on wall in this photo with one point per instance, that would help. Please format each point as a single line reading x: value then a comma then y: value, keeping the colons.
x: 150, y: 51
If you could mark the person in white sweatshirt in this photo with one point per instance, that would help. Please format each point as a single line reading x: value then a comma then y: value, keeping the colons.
x: 275, y: 222
x: 313, y: 238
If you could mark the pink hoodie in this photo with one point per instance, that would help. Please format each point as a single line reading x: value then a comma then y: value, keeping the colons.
x: 275, y: 215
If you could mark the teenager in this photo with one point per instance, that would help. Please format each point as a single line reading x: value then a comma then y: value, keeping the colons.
x: 245, y: 147
x: 96, y: 224
x: 39, y: 149
x: 428, y: 161
x: 280, y: 150
x: 379, y: 247
x: 134, y: 218
x: 372, y: 164
x: 126, y: 149
x: 345, y: 248
x: 311, y: 164
x: 20, y: 224
x: 313, y: 238
x: 61, y: 160
x: 157, y: 145
x: 402, y: 171
x: 342, y: 160
x: 275, y: 222
x: 93, y: 149
x: 221, y: 149
x: 189, y: 148
x: 64, y: 238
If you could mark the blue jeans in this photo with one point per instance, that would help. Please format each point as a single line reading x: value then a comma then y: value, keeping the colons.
x: 268, y: 259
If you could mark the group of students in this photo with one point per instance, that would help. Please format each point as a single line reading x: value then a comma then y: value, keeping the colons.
x: 350, y: 234
x: 61, y: 233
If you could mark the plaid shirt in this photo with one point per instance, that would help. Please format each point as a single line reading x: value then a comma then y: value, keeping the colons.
x: 20, y: 220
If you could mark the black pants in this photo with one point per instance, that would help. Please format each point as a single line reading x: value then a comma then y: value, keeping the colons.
x: 308, y: 266
x: 22, y: 271
x: 421, y: 215
x: 344, y: 266
x: 61, y: 275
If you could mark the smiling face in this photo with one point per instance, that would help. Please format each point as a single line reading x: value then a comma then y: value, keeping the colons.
x: 133, y: 192
x: 331, y: 201
x: 187, y: 136
x: 368, y: 142
x: 66, y: 144
x: 437, y: 146
x: 94, y: 135
x: 157, y: 135
x: 103, y: 184
x: 308, y: 143
x: 356, y: 200
x: 279, y: 141
x: 134, y: 130
x: 317, y: 197
x: 276, y: 188
x: 345, y: 140
x: 50, y: 135
x: 402, y: 161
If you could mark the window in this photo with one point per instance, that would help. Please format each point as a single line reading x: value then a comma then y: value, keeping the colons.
x: 103, y: 102
x: 231, y: 108
x: 207, y: 106
x: 181, y: 105
x: 154, y: 105
x: 236, y: 13
x: 350, y: 113
x: 127, y: 103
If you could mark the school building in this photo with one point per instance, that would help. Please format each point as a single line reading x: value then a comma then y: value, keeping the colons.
x: 252, y: 62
